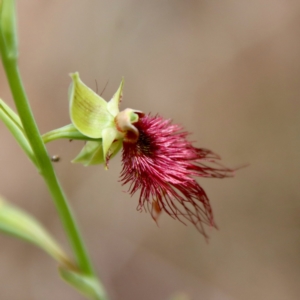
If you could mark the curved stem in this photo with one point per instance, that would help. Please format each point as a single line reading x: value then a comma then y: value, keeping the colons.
x: 44, y: 163
x: 9, y: 59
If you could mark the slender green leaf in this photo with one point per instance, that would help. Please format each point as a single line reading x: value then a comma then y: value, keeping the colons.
x: 86, y: 285
x: 14, y: 125
x: 17, y: 223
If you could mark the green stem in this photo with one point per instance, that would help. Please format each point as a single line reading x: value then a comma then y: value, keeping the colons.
x: 67, y: 132
x: 9, y: 60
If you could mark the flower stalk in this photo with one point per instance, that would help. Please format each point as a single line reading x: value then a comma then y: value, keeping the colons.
x: 9, y: 55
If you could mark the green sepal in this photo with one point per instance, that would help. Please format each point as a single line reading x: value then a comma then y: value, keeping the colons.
x: 89, y: 112
x: 17, y: 223
x: 14, y: 125
x: 86, y: 285
x: 91, y: 154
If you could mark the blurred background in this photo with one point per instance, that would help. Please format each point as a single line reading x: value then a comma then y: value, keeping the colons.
x: 229, y: 71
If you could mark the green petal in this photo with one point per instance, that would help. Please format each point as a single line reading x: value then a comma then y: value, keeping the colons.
x: 14, y: 125
x: 89, y: 112
x: 108, y: 136
x: 91, y: 154
x: 115, y: 148
x: 114, y: 103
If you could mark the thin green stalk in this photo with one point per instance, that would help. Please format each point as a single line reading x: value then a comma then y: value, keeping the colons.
x: 67, y: 132
x: 9, y: 59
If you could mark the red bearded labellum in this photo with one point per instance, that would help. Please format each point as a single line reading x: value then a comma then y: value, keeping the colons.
x: 162, y: 164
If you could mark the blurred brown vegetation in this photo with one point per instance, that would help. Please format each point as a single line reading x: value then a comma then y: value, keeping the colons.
x: 229, y: 71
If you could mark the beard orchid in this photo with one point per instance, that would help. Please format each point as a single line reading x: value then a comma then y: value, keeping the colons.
x: 158, y: 160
